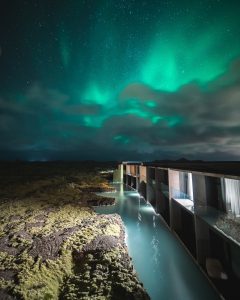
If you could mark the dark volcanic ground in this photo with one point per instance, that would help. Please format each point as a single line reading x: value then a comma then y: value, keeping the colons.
x: 52, y: 244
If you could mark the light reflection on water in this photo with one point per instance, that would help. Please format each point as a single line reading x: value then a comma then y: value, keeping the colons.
x: 162, y: 264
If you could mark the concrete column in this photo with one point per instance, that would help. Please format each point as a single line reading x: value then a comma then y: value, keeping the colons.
x: 121, y: 173
x: 202, y: 241
x: 174, y: 184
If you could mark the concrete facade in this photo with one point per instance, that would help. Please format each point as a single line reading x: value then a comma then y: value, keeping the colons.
x: 192, y: 204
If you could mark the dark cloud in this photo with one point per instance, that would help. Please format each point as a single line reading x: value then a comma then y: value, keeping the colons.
x: 83, y: 109
x: 192, y: 122
x: 209, y: 120
x: 119, y: 79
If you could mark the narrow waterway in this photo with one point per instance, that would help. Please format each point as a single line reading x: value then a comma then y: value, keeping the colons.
x: 162, y: 264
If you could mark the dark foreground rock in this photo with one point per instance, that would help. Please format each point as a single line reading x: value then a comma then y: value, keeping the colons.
x: 103, y: 270
x: 54, y: 246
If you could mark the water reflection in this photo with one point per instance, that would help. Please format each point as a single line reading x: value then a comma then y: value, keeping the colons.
x: 163, y: 266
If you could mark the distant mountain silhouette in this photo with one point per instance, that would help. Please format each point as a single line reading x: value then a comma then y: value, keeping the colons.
x: 180, y: 160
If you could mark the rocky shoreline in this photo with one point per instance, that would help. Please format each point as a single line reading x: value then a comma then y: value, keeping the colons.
x: 54, y: 246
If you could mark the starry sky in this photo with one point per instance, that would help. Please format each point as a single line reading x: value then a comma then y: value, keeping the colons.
x: 119, y: 80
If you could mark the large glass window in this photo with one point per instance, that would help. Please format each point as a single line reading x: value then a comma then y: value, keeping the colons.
x: 183, y: 187
x: 186, y: 185
x: 231, y: 195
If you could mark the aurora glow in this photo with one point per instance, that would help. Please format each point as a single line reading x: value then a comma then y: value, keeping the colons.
x: 133, y: 79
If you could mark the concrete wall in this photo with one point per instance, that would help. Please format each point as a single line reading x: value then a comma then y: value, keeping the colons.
x: 133, y: 170
x: 202, y: 241
x: 142, y: 188
x: 174, y: 182
x: 199, y: 190
x: 175, y: 217
x: 159, y: 195
x: 143, y: 174
x: 151, y: 189
x: 199, y: 237
x: 162, y: 199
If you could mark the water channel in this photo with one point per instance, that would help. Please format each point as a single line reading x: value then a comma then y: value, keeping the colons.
x: 162, y: 264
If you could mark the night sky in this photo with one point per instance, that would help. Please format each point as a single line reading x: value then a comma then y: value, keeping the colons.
x: 124, y: 79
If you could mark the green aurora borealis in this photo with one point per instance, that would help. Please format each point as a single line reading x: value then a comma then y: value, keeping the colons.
x: 119, y: 79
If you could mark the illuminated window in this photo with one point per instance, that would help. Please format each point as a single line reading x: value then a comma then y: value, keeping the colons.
x: 231, y: 195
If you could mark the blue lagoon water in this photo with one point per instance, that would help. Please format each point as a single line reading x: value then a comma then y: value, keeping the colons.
x: 162, y: 264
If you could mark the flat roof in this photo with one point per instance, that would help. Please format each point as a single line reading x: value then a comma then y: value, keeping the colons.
x: 223, y: 168
x: 131, y: 162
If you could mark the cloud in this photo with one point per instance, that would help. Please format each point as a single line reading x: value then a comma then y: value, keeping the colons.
x: 143, y: 123
x: 84, y: 109
x: 207, y: 119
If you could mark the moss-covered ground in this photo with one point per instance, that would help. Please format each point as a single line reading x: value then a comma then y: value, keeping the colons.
x: 52, y: 243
